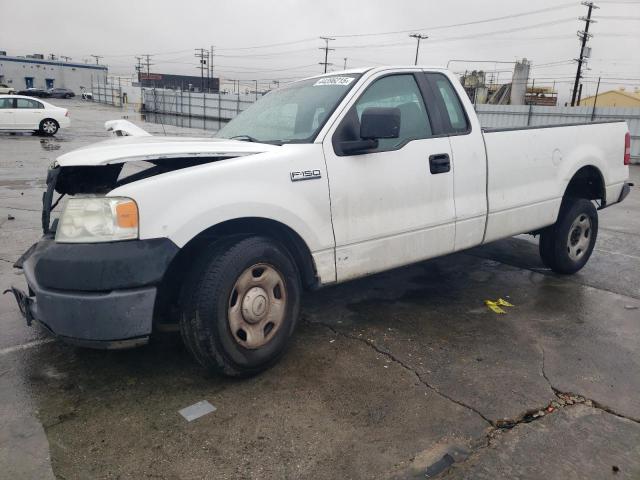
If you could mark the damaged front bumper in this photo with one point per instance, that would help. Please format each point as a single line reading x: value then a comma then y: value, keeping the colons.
x: 94, y: 295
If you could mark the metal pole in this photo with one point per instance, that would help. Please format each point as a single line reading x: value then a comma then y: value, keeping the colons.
x: 533, y: 84
x: 256, y: 89
x: 595, y: 100
x: 219, y: 110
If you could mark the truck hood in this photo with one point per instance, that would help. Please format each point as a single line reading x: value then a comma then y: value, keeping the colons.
x: 131, y: 149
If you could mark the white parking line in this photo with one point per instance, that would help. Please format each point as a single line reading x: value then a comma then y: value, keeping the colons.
x: 25, y: 346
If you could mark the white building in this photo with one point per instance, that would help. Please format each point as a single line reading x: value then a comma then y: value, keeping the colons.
x: 28, y: 72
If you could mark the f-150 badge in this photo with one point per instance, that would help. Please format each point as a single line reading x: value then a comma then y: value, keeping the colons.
x: 305, y: 175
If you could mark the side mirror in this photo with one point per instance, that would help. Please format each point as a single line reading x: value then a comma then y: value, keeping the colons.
x: 376, y: 123
x: 379, y: 122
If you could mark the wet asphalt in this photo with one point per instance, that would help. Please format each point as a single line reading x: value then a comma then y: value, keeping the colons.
x: 406, y: 374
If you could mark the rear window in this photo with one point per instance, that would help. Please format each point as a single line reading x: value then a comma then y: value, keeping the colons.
x: 449, y: 101
x: 28, y: 103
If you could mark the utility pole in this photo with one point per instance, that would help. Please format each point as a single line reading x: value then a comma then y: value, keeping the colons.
x: 418, y: 37
x: 583, y: 36
x: 97, y: 57
x: 345, y: 63
x: 148, y: 64
x: 138, y: 67
x: 66, y: 59
x: 52, y: 56
x: 326, y: 52
x: 211, y: 54
x: 200, y: 53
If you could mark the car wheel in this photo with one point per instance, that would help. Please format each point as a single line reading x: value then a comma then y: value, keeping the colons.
x: 566, y: 246
x: 240, y: 305
x: 48, y: 127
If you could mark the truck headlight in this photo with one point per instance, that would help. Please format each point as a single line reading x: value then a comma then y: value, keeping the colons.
x: 98, y: 219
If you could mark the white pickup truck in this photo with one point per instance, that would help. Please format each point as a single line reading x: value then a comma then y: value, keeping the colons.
x: 328, y: 179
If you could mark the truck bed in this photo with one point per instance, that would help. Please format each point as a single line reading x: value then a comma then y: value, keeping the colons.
x: 529, y: 169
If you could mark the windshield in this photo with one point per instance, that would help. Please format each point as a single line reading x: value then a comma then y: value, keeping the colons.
x: 292, y: 114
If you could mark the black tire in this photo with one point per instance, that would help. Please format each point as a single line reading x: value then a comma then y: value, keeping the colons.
x: 48, y: 127
x: 206, y: 300
x: 566, y: 246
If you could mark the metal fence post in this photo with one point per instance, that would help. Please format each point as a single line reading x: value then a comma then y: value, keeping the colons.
x: 219, y: 110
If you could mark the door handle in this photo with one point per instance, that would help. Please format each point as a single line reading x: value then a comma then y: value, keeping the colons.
x: 439, y: 163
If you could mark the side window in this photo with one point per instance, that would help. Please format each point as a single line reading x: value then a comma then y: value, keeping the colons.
x: 6, y: 102
x: 449, y: 102
x: 402, y: 92
x: 27, y: 103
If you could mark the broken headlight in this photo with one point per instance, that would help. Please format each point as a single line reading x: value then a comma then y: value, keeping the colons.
x: 98, y: 219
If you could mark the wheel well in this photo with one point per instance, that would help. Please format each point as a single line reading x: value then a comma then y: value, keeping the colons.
x: 587, y: 183
x: 166, y: 305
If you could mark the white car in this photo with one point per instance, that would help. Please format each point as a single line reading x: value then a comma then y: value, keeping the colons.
x: 6, y: 89
x: 18, y: 112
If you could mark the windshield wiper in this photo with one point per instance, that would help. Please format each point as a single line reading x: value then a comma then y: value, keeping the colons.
x: 245, y: 138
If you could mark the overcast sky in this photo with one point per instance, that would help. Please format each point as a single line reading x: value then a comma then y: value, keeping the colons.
x: 172, y: 30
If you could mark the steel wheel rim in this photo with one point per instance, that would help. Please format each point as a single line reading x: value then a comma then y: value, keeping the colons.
x: 49, y: 126
x: 579, y: 237
x: 257, y: 306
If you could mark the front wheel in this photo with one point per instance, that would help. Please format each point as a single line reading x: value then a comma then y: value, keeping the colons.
x: 566, y: 246
x: 240, y: 306
x: 48, y: 127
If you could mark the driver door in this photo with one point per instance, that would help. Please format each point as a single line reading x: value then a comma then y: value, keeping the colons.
x: 390, y: 206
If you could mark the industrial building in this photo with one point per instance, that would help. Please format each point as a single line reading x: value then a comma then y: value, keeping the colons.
x: 34, y: 71
x: 179, y: 82
x: 614, y: 98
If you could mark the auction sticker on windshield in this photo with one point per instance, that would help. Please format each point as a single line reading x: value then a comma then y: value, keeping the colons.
x: 334, y: 81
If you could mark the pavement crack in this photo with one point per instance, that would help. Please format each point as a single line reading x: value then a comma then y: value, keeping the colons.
x: 407, y: 367
x: 571, y: 398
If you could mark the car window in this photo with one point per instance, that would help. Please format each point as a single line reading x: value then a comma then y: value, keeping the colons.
x: 6, y: 103
x: 455, y: 113
x: 402, y: 92
x: 28, y: 103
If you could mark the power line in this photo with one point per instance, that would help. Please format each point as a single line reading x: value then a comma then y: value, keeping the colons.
x: 464, y: 24
x: 326, y: 52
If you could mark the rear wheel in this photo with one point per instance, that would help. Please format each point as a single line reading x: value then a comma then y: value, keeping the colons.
x: 239, y: 306
x: 566, y: 246
x: 48, y: 127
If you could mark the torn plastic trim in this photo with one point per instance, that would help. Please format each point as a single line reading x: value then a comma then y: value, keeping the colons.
x: 124, y: 128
